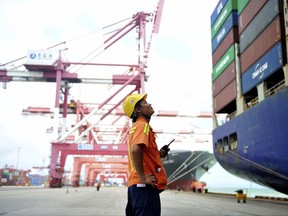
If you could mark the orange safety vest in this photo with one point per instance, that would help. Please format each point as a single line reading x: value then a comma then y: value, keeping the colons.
x: 142, y: 133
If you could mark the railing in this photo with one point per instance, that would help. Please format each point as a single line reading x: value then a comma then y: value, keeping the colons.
x: 231, y: 115
x: 251, y: 103
x: 275, y: 88
x: 255, y: 101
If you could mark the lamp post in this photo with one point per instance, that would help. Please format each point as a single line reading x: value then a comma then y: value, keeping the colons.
x: 18, y: 157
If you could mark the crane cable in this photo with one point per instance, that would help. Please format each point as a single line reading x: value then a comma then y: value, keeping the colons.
x: 69, y: 41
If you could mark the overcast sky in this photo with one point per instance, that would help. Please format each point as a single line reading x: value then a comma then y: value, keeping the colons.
x: 179, y: 64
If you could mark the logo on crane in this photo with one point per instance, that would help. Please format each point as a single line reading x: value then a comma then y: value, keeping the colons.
x: 85, y: 146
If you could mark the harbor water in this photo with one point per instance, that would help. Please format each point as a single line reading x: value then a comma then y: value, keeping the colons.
x: 251, y: 192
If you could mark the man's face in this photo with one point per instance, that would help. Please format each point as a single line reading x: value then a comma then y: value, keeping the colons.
x: 146, y: 108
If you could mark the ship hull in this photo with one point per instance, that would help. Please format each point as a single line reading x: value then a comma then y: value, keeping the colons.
x: 260, y: 153
x: 183, y: 167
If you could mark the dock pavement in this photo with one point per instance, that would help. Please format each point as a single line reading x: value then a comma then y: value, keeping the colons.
x: 111, y: 201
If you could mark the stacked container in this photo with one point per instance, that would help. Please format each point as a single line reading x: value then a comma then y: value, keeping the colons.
x: 11, y: 176
x: 247, y: 47
x: 260, y: 42
x: 224, y: 34
x: 6, y: 176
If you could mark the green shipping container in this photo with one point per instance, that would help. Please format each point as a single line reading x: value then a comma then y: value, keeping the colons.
x: 241, y: 4
x: 230, y: 5
x: 223, y: 63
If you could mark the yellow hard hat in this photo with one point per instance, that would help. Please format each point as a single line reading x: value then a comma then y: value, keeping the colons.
x: 130, y: 102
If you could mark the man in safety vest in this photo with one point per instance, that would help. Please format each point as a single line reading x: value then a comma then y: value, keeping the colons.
x: 147, y: 176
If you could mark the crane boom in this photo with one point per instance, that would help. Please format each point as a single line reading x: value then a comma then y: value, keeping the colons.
x: 158, y: 16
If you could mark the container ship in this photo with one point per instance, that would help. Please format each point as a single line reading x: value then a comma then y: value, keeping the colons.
x: 249, y: 90
x: 184, y: 168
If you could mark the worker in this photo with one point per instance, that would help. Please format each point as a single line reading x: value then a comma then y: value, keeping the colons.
x: 147, y: 176
x: 98, y: 186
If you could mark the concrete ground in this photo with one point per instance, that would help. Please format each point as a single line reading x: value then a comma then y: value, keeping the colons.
x: 111, y: 201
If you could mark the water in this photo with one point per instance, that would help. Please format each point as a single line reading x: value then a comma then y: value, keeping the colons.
x: 251, y: 192
x: 218, y: 180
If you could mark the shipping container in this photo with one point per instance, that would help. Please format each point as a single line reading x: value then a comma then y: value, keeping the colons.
x: 224, y: 79
x: 263, y: 68
x: 12, y: 176
x: 268, y: 12
x: 267, y: 39
x: 227, y: 95
x: 228, y: 8
x: 223, y: 63
x: 36, y: 180
x: 231, y: 38
x: 231, y: 21
x: 217, y: 11
x: 6, y: 173
x: 241, y: 4
x: 252, y: 8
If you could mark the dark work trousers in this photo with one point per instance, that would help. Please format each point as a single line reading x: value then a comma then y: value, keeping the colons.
x: 143, y: 201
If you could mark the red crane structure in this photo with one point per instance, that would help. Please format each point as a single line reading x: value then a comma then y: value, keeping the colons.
x: 92, y: 170
x: 104, y: 161
x: 84, y: 137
